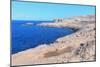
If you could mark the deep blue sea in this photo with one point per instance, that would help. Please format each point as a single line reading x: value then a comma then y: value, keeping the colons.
x: 26, y: 36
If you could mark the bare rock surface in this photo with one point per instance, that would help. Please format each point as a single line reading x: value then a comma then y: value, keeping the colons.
x: 79, y: 46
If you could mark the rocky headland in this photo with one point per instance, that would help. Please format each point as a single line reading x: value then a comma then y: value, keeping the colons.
x: 76, y: 47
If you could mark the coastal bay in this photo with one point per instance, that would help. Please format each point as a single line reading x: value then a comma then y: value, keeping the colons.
x: 76, y: 47
x: 26, y: 35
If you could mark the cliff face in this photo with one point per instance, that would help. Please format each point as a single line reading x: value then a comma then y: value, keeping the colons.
x: 79, y: 46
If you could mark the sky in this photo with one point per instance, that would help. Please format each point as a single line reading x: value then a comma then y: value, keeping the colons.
x: 47, y: 11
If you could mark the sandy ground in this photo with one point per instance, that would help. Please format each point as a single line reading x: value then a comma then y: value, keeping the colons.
x: 79, y: 46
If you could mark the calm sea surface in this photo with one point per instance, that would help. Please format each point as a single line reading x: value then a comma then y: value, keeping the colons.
x: 31, y: 36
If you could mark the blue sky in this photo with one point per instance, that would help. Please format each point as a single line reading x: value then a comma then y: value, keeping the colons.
x: 47, y: 11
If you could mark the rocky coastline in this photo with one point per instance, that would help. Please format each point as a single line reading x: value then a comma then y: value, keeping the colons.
x: 77, y: 47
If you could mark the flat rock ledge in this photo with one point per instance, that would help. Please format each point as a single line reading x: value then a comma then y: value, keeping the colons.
x: 76, y: 47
